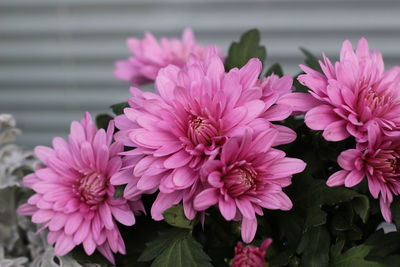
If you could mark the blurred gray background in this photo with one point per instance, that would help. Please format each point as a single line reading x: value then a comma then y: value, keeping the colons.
x: 56, y: 56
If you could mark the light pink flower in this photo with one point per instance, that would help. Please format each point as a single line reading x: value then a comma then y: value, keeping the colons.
x: 379, y: 163
x: 150, y: 55
x: 352, y: 94
x: 248, y: 176
x: 73, y: 196
x: 250, y: 256
x: 196, y: 108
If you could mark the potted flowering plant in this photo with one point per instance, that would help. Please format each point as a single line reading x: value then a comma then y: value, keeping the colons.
x: 229, y: 162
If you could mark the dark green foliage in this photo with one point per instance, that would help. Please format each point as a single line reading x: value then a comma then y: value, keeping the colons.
x: 119, y: 191
x: 175, y: 216
x: 175, y: 248
x: 275, y: 69
x: 311, y: 60
x: 102, y: 121
x: 248, y: 47
x: 118, y: 108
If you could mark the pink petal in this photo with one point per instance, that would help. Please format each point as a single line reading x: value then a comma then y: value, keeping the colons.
x: 107, y: 253
x: 336, y: 131
x: 27, y: 209
x: 73, y: 223
x: 299, y: 101
x: 320, y: 117
x: 337, y: 178
x: 385, y: 210
x: 64, y: 245
x: 206, y: 199
x: 183, y: 177
x: 89, y: 245
x: 42, y: 216
x: 105, y: 213
x: 348, y: 158
x: 246, y: 208
x: 354, y: 178
x: 177, y: 160
x: 124, y: 216
x: 163, y: 202
x: 286, y: 167
x: 227, y: 207
x: 82, y: 232
x: 249, y: 229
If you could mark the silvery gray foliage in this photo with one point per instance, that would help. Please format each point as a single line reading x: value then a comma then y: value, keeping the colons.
x: 15, y: 161
x: 11, y: 262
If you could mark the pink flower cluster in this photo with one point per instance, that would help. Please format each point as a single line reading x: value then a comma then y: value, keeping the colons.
x: 150, y: 55
x: 357, y: 97
x: 205, y: 138
x: 250, y: 256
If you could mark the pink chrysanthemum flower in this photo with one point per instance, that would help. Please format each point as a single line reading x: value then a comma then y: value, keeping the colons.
x: 379, y: 163
x: 352, y: 94
x: 73, y: 196
x: 248, y: 176
x: 150, y: 55
x: 250, y: 256
x: 196, y: 108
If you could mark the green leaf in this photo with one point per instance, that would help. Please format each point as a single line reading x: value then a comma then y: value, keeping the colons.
x: 319, y: 194
x: 175, y: 216
x: 314, y: 246
x: 353, y: 257
x: 176, y: 248
x: 248, y: 47
x: 275, y: 69
x: 102, y: 121
x: 395, y: 207
x: 336, y: 249
x: 118, y: 108
x: 119, y: 191
x: 311, y: 60
x: 385, y: 248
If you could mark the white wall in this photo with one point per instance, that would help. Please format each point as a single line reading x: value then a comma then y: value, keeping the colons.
x: 56, y: 56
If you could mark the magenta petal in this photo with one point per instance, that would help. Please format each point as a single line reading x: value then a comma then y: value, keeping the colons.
x: 43, y: 153
x: 320, y: 117
x: 348, y: 158
x: 106, y: 252
x: 27, y: 209
x: 123, y: 216
x: 336, y: 131
x: 177, y: 160
x: 73, y: 223
x: 249, y: 229
x: 82, y: 232
x: 206, y: 199
x: 337, y: 178
x: 227, y: 207
x: 385, y: 210
x: 163, y: 202
x: 246, y: 208
x: 354, y: 178
x: 183, y: 177
x: 105, y: 213
x: 64, y: 245
x: 299, y: 101
x: 89, y: 245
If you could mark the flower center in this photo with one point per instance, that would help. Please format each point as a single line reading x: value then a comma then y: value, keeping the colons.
x: 241, y: 180
x: 91, y: 188
x: 395, y: 165
x: 201, y: 130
